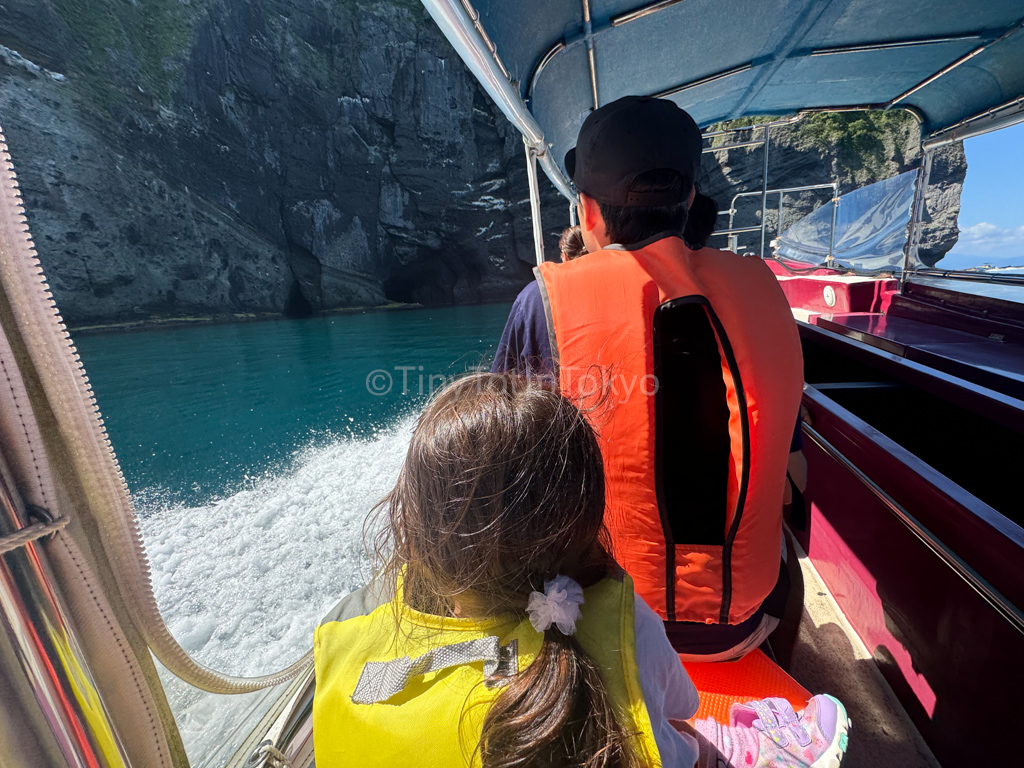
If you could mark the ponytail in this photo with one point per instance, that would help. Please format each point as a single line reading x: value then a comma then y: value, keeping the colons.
x: 555, y: 714
x: 502, y: 489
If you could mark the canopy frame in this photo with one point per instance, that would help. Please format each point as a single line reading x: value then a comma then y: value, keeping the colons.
x: 916, y: 228
x: 1005, y: 115
x: 461, y: 23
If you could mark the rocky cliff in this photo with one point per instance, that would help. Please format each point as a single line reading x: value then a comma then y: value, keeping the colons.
x: 183, y: 157
x: 285, y: 156
x: 852, y: 148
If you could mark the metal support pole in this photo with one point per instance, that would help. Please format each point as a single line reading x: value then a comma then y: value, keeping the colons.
x: 572, y: 213
x: 830, y: 262
x: 733, y: 243
x: 588, y: 34
x: 764, y: 190
x: 538, y: 230
x: 915, y: 228
x: 778, y: 223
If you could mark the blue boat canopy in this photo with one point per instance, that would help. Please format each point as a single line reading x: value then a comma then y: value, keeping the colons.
x: 952, y: 62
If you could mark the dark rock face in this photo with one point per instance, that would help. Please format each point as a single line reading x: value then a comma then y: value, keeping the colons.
x: 282, y: 156
x: 290, y: 157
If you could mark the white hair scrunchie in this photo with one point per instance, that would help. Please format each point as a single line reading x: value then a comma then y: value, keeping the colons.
x: 559, y: 605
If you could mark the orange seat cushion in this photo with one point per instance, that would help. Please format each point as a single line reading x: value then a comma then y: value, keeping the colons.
x: 755, y: 676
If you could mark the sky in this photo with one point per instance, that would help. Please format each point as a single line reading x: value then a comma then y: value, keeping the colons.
x: 992, y: 202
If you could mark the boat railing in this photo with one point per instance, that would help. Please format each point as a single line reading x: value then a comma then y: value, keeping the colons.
x: 733, y: 232
x: 765, y: 142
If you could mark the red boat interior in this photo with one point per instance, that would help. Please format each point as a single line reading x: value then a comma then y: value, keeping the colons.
x: 912, y: 519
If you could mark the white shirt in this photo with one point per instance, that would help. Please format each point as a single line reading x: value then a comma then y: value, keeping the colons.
x: 668, y: 690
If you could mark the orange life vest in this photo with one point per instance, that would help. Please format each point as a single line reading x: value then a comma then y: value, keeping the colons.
x: 601, y: 316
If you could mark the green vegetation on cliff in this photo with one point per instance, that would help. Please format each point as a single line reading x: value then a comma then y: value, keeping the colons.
x: 128, y: 47
x: 862, y: 142
x: 133, y: 50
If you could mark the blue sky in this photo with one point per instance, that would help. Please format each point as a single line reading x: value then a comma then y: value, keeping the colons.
x: 992, y: 203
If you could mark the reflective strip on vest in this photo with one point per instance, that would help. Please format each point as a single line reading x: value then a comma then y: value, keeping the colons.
x: 411, y: 694
x: 602, y: 309
x: 380, y: 680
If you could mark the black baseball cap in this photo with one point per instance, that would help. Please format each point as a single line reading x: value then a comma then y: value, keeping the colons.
x: 630, y: 136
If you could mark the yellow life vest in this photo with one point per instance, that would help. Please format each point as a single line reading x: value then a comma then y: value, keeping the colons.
x: 398, y: 687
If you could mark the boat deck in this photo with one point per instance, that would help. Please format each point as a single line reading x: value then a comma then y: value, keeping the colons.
x: 829, y: 657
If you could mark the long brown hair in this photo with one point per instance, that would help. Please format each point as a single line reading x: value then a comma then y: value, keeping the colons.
x: 502, y: 489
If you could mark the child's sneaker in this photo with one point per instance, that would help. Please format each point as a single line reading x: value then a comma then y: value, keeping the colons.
x: 768, y: 734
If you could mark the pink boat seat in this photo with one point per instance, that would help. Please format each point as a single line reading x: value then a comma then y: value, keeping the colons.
x: 755, y: 676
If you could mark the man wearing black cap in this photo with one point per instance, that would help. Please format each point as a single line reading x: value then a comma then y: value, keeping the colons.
x: 618, y: 147
x: 688, y: 363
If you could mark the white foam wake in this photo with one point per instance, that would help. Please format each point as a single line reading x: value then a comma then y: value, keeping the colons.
x: 243, y: 581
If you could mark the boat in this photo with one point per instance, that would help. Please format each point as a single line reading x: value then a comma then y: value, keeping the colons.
x: 909, y: 535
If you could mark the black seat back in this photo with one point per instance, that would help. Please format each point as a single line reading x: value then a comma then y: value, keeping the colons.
x: 692, y: 440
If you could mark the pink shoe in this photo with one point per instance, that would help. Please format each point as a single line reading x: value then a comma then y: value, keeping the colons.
x: 768, y: 734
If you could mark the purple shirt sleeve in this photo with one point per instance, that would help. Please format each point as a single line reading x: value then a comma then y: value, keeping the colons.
x: 524, y: 345
x: 668, y: 691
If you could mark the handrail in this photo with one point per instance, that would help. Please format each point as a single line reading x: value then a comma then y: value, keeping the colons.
x: 772, y: 124
x: 733, y: 145
x: 765, y: 142
x: 720, y: 75
x: 890, y: 45
x: 781, y: 192
x: 786, y: 190
x: 977, y: 125
x: 1019, y: 24
x: 961, y: 274
x: 639, y: 13
x: 734, y: 230
x: 474, y: 15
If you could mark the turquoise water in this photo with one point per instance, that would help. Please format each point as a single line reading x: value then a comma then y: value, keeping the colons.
x: 198, y: 413
x: 254, y: 453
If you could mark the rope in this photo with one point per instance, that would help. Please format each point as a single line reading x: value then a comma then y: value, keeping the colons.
x: 269, y: 756
x: 797, y: 270
x: 31, y: 533
x: 880, y: 272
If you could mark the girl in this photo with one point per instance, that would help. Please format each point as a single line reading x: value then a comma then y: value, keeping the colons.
x: 570, y: 244
x: 499, y: 631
